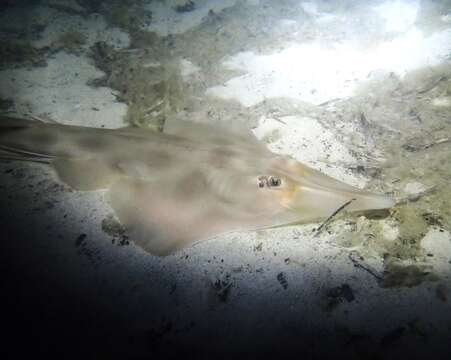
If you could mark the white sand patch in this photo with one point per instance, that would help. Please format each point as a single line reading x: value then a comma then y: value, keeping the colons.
x: 390, y: 230
x: 326, y: 18
x: 93, y: 27
x: 442, y: 101
x: 438, y: 243
x: 317, y: 73
x: 413, y: 188
x: 166, y: 20
x: 308, y: 141
x: 60, y: 91
x: 399, y: 15
x: 187, y: 69
x: 310, y: 8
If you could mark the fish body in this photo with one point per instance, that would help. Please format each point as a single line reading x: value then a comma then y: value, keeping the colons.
x: 191, y: 183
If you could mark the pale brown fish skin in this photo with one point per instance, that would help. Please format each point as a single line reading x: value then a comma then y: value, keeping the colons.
x: 191, y: 183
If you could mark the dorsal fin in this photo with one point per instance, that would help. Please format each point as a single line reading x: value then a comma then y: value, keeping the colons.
x: 218, y: 134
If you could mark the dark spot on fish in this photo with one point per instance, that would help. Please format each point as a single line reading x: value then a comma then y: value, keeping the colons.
x: 194, y: 183
x: 220, y: 158
x: 92, y: 142
x: 46, y: 138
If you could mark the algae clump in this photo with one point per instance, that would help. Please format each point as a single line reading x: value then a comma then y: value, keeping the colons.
x: 19, y: 53
x: 71, y: 41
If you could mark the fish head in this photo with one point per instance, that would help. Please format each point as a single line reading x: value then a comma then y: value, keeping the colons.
x: 307, y: 194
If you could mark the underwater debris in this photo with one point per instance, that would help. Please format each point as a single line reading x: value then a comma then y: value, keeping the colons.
x: 433, y: 219
x: 6, y: 105
x: 162, y: 99
x: 71, y: 41
x: 72, y: 8
x: 128, y: 15
x: 281, y: 278
x: 441, y: 291
x: 358, y: 262
x: 367, y: 170
x: 221, y: 287
x: 80, y: 241
x: 424, y: 162
x: 432, y: 84
x: 258, y: 247
x: 104, y: 57
x: 20, y: 53
x: 112, y: 227
x: 188, y: 6
x: 149, y: 43
x: 411, y: 146
x: 336, y: 295
x: 153, y: 90
x: 121, y: 17
x: 400, y: 275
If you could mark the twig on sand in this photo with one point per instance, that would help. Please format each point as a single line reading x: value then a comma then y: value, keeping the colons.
x: 329, y: 101
x: 357, y: 261
x: 327, y: 221
x: 432, y: 85
x: 414, y: 147
x: 279, y: 120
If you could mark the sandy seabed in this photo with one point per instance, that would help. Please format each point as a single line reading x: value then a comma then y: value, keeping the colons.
x: 359, y: 90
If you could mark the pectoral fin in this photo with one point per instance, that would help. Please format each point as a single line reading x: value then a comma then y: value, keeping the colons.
x: 85, y: 174
x: 235, y: 134
x: 162, y: 216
